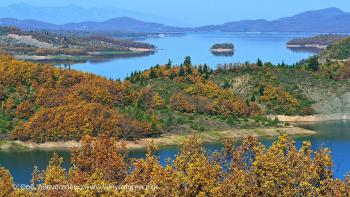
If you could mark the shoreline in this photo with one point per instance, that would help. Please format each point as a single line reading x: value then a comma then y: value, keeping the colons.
x: 317, y: 46
x: 221, y: 50
x: 89, y: 55
x: 164, y: 140
x: 143, y: 49
x: 312, y: 118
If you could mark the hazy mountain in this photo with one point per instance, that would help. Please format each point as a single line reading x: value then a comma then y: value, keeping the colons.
x: 328, y: 20
x: 126, y: 24
x: 27, y: 24
x: 123, y: 24
x: 73, y: 13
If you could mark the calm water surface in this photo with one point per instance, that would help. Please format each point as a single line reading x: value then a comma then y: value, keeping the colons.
x: 248, y: 47
x: 334, y: 135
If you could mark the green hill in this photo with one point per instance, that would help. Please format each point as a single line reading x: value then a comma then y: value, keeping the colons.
x: 43, y: 103
x: 338, y: 51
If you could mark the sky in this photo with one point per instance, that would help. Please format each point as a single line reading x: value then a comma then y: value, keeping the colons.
x: 202, y: 12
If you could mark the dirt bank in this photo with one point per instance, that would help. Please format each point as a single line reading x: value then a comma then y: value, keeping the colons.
x: 221, y: 50
x: 318, y: 46
x: 312, y: 118
x: 166, y: 139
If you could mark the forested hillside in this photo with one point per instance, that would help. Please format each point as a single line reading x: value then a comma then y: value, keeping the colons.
x: 338, y: 51
x: 43, y: 103
x: 322, y: 40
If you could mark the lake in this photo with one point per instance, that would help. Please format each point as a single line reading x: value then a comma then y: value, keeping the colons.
x: 248, y: 47
x: 334, y: 135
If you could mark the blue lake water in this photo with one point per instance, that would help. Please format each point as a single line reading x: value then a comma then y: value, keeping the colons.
x: 248, y: 47
x: 334, y: 135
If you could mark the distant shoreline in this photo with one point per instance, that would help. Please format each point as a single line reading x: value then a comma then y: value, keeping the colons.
x: 312, y: 118
x: 91, y: 55
x: 317, y: 46
x: 164, y: 140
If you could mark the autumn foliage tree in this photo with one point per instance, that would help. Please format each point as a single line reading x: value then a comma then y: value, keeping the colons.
x: 43, y: 103
x: 6, y: 182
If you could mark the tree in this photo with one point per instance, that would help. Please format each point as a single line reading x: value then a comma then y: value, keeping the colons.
x: 189, y: 70
x: 205, y: 69
x: 56, y: 175
x: 101, y: 155
x: 152, y: 74
x: 169, y: 64
x: 181, y: 71
x: 6, y: 183
x: 226, y: 84
x: 187, y: 61
x: 312, y: 63
x: 157, y: 101
x: 196, y: 175
x: 200, y: 69
x: 25, y: 109
x: 259, y: 63
x: 170, y: 120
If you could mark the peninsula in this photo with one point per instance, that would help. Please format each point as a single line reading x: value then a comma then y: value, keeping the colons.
x: 316, y: 42
x: 54, y: 47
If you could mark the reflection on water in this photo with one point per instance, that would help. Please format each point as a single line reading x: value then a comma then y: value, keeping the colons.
x: 95, y: 59
x: 226, y: 54
x: 305, y: 49
x: 334, y: 135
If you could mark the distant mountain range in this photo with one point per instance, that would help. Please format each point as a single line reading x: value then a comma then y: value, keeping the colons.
x: 74, y: 13
x: 123, y: 24
x: 330, y: 20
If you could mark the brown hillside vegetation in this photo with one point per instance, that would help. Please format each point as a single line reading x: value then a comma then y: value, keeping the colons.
x: 44, y: 103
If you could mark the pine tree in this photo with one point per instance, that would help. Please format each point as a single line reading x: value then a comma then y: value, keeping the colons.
x: 259, y: 63
x: 181, y: 71
x: 205, y: 69
x: 200, y: 69
x: 152, y: 74
x: 189, y: 70
x: 169, y: 64
x: 187, y: 61
x: 226, y: 85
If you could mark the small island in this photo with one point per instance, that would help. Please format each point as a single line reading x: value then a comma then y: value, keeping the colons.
x: 222, y: 49
x: 319, y: 42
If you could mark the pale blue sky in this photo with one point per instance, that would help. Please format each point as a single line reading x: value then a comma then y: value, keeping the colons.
x: 199, y: 12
